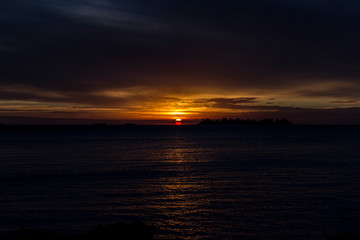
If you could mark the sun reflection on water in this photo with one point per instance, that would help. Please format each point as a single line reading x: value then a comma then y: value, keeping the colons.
x: 182, y: 194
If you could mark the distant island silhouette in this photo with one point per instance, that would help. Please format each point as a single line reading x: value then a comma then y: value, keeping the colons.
x: 237, y: 121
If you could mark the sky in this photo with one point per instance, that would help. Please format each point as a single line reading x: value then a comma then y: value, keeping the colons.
x: 152, y: 61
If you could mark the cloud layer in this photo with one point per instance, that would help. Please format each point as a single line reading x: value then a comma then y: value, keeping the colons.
x: 126, y: 54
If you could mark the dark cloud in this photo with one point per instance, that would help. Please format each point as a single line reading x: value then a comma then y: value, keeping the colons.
x: 337, y: 91
x: 232, y: 101
x: 285, y: 110
x: 282, y: 109
x: 84, y: 45
x: 346, y: 101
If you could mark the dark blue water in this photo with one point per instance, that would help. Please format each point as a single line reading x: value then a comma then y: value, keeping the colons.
x: 191, y: 182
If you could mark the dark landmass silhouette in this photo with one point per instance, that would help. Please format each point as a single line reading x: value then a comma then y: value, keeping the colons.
x: 344, y: 236
x: 130, y: 124
x: 115, y: 231
x: 237, y: 121
x: 99, y: 124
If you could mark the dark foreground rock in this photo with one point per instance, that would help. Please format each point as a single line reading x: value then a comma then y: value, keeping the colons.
x: 344, y: 236
x: 118, y: 231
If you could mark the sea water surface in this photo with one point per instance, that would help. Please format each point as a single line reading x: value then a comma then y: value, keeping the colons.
x: 190, y: 182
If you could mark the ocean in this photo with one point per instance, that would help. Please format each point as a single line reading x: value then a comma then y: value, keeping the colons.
x: 190, y: 182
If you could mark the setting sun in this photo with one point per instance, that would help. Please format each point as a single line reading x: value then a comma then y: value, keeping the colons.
x: 178, y: 121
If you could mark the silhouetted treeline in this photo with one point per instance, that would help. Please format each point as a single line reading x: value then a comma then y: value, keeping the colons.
x: 237, y: 121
